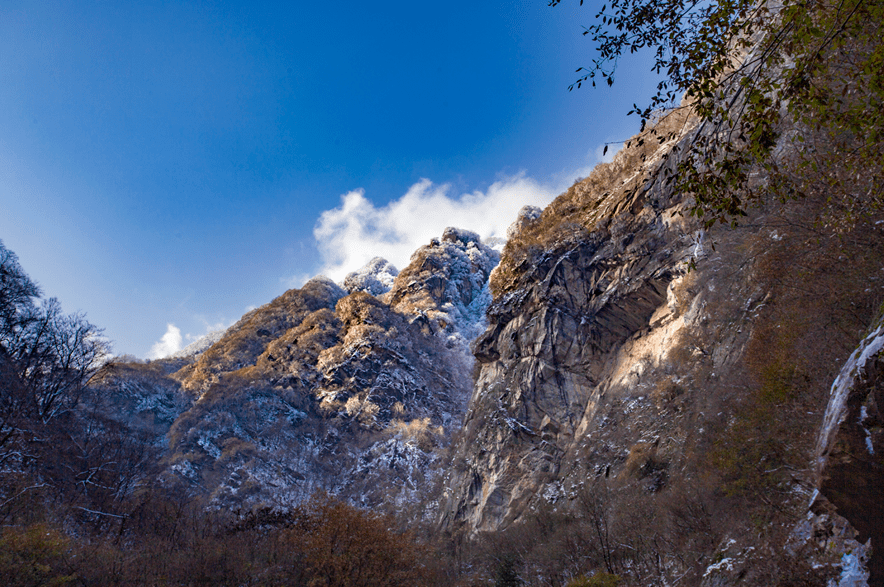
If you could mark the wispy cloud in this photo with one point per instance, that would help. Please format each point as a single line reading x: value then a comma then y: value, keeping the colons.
x: 173, y: 341
x: 351, y: 234
x: 293, y: 281
x: 170, y: 343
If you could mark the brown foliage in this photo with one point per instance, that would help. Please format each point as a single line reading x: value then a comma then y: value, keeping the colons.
x: 34, y: 556
x: 343, y: 546
x: 246, y: 340
x: 824, y: 293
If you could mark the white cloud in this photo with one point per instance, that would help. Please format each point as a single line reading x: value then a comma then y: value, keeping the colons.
x: 356, y: 231
x: 169, y: 344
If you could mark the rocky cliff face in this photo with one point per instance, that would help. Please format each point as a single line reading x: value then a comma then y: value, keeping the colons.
x: 610, y: 368
x: 574, y: 335
x: 594, y: 301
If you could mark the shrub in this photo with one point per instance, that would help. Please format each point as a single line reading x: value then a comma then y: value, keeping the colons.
x: 34, y: 557
x: 506, y: 575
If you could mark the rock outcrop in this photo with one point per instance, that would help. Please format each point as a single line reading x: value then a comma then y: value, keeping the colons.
x: 850, y: 449
x: 572, y: 339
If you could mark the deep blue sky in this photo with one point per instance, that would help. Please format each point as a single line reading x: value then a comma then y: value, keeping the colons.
x: 167, y: 162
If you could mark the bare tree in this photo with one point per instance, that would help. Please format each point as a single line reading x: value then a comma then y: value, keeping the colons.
x: 46, y: 357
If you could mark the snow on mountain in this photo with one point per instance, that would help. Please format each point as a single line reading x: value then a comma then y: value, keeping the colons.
x: 375, y: 277
x: 355, y: 390
x: 198, y: 346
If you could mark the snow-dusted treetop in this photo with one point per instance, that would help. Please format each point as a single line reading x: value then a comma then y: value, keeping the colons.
x: 526, y: 214
x: 375, y: 277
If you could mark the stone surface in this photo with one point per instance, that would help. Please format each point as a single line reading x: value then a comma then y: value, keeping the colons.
x: 550, y: 356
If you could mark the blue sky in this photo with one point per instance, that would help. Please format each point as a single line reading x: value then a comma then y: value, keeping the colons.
x: 180, y: 162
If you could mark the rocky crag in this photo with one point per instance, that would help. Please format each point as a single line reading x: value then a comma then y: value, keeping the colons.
x: 668, y: 386
x: 352, y: 391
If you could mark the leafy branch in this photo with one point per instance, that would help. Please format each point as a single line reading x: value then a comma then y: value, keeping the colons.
x: 789, y: 97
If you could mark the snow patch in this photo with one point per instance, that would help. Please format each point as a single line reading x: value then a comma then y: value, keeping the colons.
x: 729, y: 563
x: 725, y: 564
x: 853, y: 573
